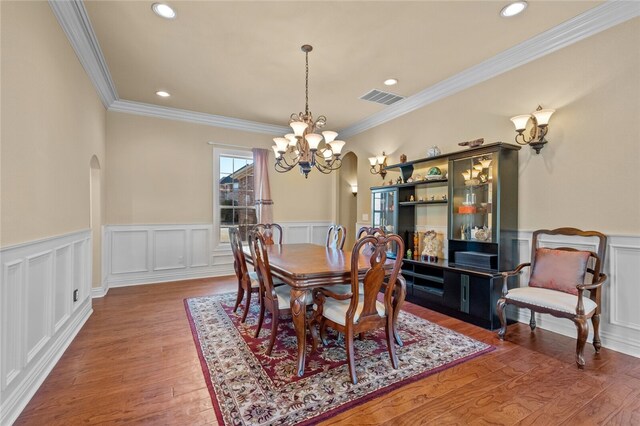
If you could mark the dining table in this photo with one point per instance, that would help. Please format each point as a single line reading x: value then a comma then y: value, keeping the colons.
x: 308, y: 266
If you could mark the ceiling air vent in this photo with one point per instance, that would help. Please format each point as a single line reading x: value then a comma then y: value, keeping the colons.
x: 380, y: 97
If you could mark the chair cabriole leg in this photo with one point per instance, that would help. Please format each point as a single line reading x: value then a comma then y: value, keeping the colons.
x: 583, y: 331
x: 246, y: 306
x: 389, y: 330
x: 239, y: 297
x: 502, y: 315
x: 274, y: 330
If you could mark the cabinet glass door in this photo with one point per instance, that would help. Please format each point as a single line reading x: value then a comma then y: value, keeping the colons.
x: 473, y: 196
x: 384, y: 205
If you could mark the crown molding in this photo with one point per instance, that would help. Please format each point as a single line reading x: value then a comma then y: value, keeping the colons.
x: 578, y: 28
x: 151, y: 110
x: 73, y: 19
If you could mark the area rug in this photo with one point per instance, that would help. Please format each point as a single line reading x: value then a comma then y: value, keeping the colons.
x: 248, y: 387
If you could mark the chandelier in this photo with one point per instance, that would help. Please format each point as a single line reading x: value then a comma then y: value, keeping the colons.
x: 302, y: 147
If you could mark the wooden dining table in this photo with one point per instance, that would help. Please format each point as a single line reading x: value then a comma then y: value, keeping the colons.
x: 308, y: 266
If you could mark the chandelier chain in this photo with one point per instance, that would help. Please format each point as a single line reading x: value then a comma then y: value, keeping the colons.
x: 306, y: 84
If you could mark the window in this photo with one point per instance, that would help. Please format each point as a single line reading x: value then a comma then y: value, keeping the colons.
x: 235, y: 205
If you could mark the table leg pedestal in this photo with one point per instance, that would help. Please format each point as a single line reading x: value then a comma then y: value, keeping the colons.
x: 298, y: 313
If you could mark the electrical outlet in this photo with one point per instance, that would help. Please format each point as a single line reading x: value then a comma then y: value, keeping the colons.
x: 75, y: 295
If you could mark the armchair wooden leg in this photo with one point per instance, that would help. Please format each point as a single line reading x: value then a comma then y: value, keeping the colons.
x: 532, y: 320
x: 583, y: 331
x: 595, y: 320
x: 351, y: 356
x: 502, y: 315
x: 239, y: 298
x: 246, y: 306
x: 390, y: 343
x: 398, y: 300
x: 313, y: 329
x: 274, y: 330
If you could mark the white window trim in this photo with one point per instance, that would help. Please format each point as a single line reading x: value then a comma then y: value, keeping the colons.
x: 217, y: 152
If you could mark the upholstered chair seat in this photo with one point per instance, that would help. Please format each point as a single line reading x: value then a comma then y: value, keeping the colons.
x: 345, y: 288
x: 255, y: 283
x: 550, y: 299
x: 283, y: 293
x: 336, y: 310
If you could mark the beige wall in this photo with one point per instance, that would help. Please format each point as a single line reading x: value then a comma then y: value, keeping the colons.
x: 161, y: 173
x: 52, y: 124
x: 588, y: 174
x: 348, y: 204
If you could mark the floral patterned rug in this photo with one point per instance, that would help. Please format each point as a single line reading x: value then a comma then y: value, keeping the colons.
x: 249, y: 388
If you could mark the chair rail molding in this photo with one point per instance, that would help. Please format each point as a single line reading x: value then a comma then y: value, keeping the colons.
x: 149, y: 254
x: 620, y: 319
x: 38, y: 316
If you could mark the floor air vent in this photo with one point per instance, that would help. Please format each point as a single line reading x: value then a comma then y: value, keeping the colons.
x: 380, y: 97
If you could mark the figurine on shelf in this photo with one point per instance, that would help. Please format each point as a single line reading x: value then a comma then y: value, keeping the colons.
x: 409, y: 254
x: 411, y: 198
x: 390, y: 181
x: 403, y: 158
x: 433, y: 198
x: 434, y: 151
x: 444, y: 197
x: 399, y: 180
x: 431, y: 246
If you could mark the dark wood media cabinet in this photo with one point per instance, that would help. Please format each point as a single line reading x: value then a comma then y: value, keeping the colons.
x: 481, y: 194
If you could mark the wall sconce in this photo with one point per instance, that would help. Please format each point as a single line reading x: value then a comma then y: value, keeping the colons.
x: 540, y: 118
x: 380, y: 162
x: 354, y: 190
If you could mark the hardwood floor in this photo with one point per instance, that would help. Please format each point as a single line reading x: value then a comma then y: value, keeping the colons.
x: 135, y: 362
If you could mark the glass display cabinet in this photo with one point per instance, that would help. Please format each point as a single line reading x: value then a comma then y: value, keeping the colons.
x: 481, y: 202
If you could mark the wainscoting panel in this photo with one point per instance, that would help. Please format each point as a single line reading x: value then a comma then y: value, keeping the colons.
x: 39, y: 317
x: 170, y: 249
x: 146, y: 254
x: 620, y: 320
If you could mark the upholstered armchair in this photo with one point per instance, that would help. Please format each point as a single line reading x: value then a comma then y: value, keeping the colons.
x: 560, y: 276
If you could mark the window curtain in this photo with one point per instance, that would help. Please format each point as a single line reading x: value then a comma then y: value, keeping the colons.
x: 262, y: 190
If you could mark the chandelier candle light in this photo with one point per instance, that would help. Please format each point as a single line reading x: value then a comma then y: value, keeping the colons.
x: 302, y: 147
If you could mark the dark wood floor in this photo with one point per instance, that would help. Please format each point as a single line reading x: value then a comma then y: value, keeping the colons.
x: 135, y: 362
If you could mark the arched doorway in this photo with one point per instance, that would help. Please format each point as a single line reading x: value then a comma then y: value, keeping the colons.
x: 95, y: 200
x: 347, y: 202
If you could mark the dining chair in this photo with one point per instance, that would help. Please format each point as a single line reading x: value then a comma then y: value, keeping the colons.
x: 275, y: 299
x: 355, y: 313
x: 400, y: 290
x: 336, y: 235
x: 247, y: 281
x: 559, y: 277
x: 267, y: 231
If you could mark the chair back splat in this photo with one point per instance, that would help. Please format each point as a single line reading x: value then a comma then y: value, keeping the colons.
x: 271, y: 232
x: 375, y: 276
x: 336, y: 235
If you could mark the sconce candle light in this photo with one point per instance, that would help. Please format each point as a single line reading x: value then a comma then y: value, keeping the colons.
x: 378, y: 164
x: 540, y: 118
x: 354, y: 190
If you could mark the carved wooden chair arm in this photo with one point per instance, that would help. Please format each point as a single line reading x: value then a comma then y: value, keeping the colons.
x: 601, y: 279
x: 507, y: 274
x: 516, y: 271
x: 328, y: 293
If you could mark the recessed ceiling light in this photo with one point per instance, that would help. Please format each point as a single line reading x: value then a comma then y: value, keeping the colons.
x: 163, y: 94
x: 513, y: 9
x: 163, y: 10
x: 390, y: 82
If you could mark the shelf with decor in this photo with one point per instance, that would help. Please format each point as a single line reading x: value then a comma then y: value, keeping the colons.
x: 477, y: 198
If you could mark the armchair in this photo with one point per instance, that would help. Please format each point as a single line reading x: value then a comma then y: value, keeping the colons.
x: 559, y: 278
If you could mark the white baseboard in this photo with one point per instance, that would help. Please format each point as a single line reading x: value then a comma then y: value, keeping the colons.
x: 39, y: 317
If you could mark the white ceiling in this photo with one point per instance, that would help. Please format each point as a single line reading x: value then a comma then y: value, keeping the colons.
x: 243, y: 60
